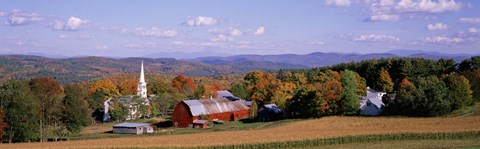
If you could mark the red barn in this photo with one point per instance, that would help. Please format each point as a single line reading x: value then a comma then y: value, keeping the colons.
x: 188, y: 111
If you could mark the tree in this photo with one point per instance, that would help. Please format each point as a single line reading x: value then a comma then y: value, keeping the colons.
x: 470, y: 64
x: 21, y: 111
x: 384, y: 82
x: 184, y: 85
x: 265, y: 89
x: 240, y: 90
x: 349, y: 100
x: 49, y: 94
x: 304, y: 104
x: 432, y: 99
x: 474, y: 79
x: 459, y: 91
x: 3, y: 125
x: 76, y: 112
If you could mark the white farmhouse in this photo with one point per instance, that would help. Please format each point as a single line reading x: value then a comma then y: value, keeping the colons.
x: 372, y: 103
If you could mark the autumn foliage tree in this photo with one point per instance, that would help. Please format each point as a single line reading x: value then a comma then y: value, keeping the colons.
x: 49, y: 93
x: 384, y: 82
x: 264, y: 88
x: 184, y: 85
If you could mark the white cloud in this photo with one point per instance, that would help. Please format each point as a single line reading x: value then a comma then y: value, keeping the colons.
x: 383, y: 17
x: 469, y: 20
x: 260, y: 30
x: 79, y: 37
x: 343, y: 3
x: 431, y: 6
x: 394, y: 10
x: 437, y: 26
x: 2, y: 13
x: 101, y: 47
x: 221, y: 38
x: 153, y: 32
x: 18, y: 17
x: 235, y: 32
x: 442, y: 39
x: 373, y: 38
x: 471, y: 33
x: 72, y: 24
x: 200, y: 21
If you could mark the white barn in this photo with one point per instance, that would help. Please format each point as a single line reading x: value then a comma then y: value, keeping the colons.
x: 133, y: 128
x: 372, y: 103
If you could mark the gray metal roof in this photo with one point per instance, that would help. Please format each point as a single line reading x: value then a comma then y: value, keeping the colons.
x: 127, y: 124
x: 216, y: 105
x: 200, y: 121
x: 224, y: 93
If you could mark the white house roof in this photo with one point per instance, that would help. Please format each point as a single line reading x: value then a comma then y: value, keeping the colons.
x: 216, y: 105
x: 375, y: 97
x: 127, y: 124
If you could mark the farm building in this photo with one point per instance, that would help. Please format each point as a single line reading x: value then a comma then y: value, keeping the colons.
x: 133, y: 128
x: 269, y: 112
x: 200, y: 123
x: 187, y: 111
x: 372, y: 103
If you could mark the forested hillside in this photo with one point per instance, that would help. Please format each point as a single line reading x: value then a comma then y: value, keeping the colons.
x: 88, y: 68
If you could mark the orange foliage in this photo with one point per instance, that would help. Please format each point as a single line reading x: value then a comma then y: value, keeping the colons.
x: 184, y: 84
x: 406, y: 83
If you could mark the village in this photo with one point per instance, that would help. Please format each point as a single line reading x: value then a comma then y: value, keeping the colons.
x: 203, y: 113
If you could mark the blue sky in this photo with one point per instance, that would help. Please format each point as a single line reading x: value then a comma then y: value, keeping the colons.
x: 136, y: 28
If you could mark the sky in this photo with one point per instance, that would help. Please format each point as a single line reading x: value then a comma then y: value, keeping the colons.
x: 120, y: 28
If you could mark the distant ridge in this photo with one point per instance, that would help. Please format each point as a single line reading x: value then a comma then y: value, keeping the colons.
x: 318, y: 59
x: 87, y: 68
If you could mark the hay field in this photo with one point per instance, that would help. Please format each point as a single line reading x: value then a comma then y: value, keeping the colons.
x: 327, y: 127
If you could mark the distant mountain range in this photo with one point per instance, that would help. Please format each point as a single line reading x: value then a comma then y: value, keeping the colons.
x: 86, y: 68
x: 325, y: 59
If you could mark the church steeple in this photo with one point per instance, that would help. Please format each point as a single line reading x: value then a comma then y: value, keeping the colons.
x: 142, y: 85
x: 142, y: 75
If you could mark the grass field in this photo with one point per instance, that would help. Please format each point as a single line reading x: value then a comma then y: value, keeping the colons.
x: 322, y: 128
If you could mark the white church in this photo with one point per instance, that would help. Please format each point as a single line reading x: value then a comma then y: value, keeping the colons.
x: 128, y: 100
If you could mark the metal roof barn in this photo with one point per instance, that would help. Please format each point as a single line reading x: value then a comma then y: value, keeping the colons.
x: 133, y: 128
x: 188, y: 111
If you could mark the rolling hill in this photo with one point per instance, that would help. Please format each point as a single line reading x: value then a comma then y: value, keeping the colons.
x: 318, y: 59
x: 88, y: 68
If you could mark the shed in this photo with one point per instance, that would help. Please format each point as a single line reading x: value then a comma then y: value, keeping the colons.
x: 133, y: 128
x: 187, y: 111
x: 200, y: 124
x: 269, y: 112
x: 372, y: 103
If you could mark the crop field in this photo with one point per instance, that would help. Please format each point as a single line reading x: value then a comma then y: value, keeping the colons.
x: 322, y: 128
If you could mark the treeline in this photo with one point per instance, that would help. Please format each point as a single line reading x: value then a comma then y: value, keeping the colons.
x: 415, y: 87
x: 40, y: 109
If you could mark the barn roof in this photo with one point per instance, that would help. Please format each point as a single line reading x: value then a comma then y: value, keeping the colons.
x: 127, y: 124
x: 212, y: 106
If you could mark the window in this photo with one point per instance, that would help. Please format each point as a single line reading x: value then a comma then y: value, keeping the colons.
x: 369, y: 104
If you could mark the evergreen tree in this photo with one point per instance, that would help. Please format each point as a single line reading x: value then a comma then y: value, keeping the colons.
x: 349, y: 100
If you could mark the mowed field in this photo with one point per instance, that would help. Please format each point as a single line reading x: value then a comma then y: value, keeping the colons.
x: 327, y: 127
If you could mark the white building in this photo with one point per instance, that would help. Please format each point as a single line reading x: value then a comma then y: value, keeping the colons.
x: 133, y: 128
x: 142, y: 85
x: 130, y: 101
x: 372, y: 103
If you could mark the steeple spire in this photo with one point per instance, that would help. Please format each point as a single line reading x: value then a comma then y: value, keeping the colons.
x: 142, y: 75
x: 142, y: 85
